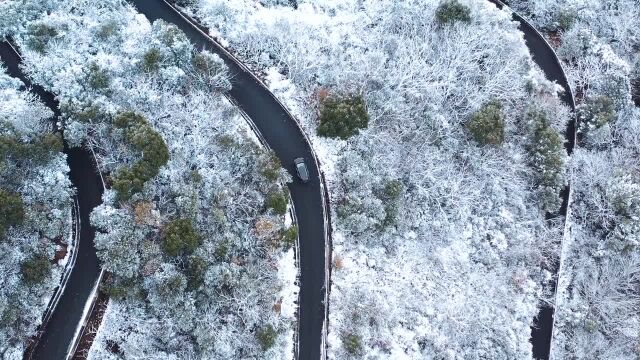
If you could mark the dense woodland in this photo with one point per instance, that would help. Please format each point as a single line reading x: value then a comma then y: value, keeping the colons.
x: 192, y: 225
x: 443, y: 147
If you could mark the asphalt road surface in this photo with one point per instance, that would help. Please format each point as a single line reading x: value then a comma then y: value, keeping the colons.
x: 544, y: 56
x: 58, y: 333
x: 283, y: 135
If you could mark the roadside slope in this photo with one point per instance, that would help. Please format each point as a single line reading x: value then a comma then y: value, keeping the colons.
x: 545, y: 57
x: 59, y: 331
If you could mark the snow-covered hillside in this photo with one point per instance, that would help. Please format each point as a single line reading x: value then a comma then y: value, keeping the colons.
x: 440, y: 237
x: 193, y: 224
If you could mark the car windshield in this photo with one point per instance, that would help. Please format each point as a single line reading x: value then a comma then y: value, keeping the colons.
x: 302, y: 169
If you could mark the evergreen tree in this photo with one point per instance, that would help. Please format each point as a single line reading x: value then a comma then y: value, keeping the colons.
x: 343, y: 117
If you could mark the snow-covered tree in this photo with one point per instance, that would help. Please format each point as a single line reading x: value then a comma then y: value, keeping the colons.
x: 435, y: 236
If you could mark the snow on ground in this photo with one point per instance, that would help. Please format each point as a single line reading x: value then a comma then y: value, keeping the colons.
x: 597, y: 309
x: 27, y: 246
x: 460, y: 273
x: 126, y: 85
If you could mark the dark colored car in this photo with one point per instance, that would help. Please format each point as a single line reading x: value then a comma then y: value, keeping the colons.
x: 301, y: 169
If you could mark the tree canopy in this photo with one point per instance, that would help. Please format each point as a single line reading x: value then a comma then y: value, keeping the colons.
x: 342, y: 117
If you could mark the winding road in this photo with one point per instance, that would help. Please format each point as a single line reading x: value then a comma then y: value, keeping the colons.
x: 283, y: 134
x: 545, y: 57
x: 57, y: 334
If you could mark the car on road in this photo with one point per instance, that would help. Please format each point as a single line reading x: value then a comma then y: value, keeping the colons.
x: 301, y: 169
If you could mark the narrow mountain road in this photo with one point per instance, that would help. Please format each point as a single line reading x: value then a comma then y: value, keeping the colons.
x: 57, y: 334
x: 545, y: 57
x: 282, y: 133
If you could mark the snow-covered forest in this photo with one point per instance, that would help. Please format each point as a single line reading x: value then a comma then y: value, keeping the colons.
x: 35, y: 214
x: 442, y: 145
x: 441, y: 178
x: 192, y: 227
x: 598, y: 310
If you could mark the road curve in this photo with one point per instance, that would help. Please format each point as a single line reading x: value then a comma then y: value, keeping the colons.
x: 58, y: 332
x: 283, y: 134
x: 546, y: 58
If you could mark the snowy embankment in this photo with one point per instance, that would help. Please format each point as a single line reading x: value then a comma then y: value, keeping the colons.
x: 35, y: 215
x: 465, y: 246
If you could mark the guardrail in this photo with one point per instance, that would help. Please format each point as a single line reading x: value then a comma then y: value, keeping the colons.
x: 94, y: 292
x: 76, y: 223
x: 88, y: 309
x: 556, y: 59
x: 323, y: 192
x: 292, y: 211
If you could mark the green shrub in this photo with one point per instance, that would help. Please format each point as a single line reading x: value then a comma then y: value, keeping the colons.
x: 591, y: 324
x: 118, y: 288
x: 487, y: 124
x: 547, y: 149
x: 565, y: 20
x: 151, y: 60
x: 38, y: 151
x: 8, y: 146
x: 289, y: 236
x: 207, y: 63
x: 343, y: 118
x: 9, y: 316
x: 222, y: 250
x: 45, y: 147
x: 195, y: 176
x: 98, y: 78
x: 392, y: 189
x: 127, y: 182
x: 84, y: 113
x: 155, y: 154
x: 267, y: 337
x: 180, y: 238
x: 171, y: 35
x: 277, y: 200
x: 211, y: 71
x: 390, y: 196
x: 171, y: 286
x: 128, y: 119
x: 35, y: 269
x: 547, y: 156
x: 11, y: 210
x: 390, y: 215
x: 596, y: 112
x: 270, y: 167
x: 352, y: 343
x: 451, y: 11
x: 39, y: 36
x: 107, y: 30
x: 350, y: 206
x: 195, y: 272
x: 226, y: 141
x: 145, y: 139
